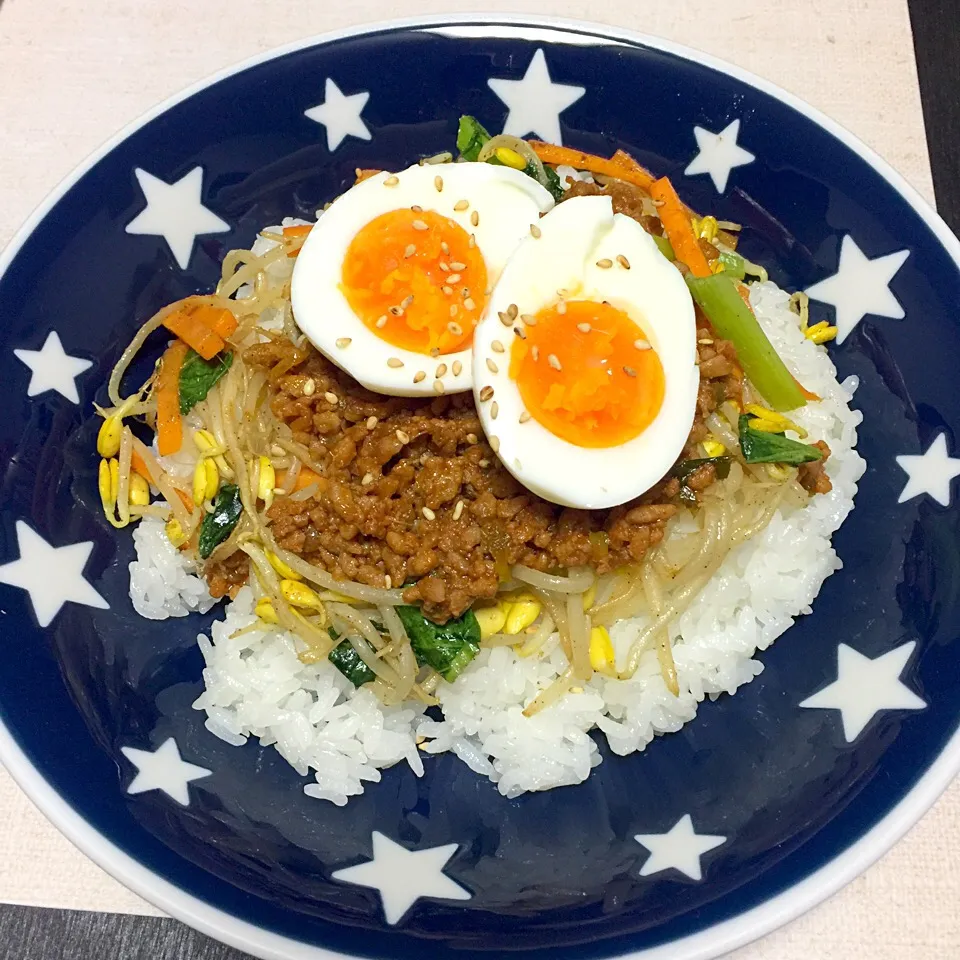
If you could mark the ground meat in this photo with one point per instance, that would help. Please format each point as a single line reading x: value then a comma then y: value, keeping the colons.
x: 813, y: 476
x: 227, y: 576
x: 412, y: 491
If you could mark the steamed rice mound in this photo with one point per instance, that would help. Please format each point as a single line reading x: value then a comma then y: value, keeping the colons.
x: 255, y: 684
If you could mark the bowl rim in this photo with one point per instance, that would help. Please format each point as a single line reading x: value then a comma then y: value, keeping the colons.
x: 707, y: 944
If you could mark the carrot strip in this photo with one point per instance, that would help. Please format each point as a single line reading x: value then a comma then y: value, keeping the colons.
x: 616, y: 167
x: 219, y: 319
x: 300, y: 229
x: 139, y: 465
x: 304, y: 479
x: 169, y: 423
x: 676, y: 222
x: 187, y: 325
x: 185, y: 499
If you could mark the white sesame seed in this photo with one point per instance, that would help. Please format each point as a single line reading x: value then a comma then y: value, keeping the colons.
x: 584, y: 327
x: 457, y: 265
x: 419, y: 375
x: 371, y: 422
x: 472, y: 242
x: 388, y: 581
x: 441, y: 371
x: 475, y: 218
x: 416, y: 208
x: 438, y: 386
x: 629, y: 371
x: 483, y: 464
x: 442, y: 264
x: 403, y: 437
x: 395, y: 311
x: 446, y: 290
x: 434, y: 351
x: 706, y: 341
x: 395, y: 362
x: 458, y: 510
x: 444, y: 246
x: 561, y: 307
x: 604, y: 264
x: 455, y: 329
x: 391, y: 181
x: 492, y: 367
x: 554, y: 362
x: 438, y: 183
x: 623, y: 261
x: 309, y: 387
x: 535, y: 352
x: 471, y: 438
x: 494, y: 410
x: 461, y: 205
x: 457, y: 368
x: 381, y: 322
x: 520, y: 333
x: 410, y: 250
x: 524, y: 417
x: 331, y: 397
x: 497, y: 346
x: 468, y: 304
x: 485, y: 394
x: 367, y: 479
x: 494, y: 443
x: 529, y: 319
x: 454, y: 309
x: 344, y: 342
x: 406, y: 301
x: 642, y: 344
x: 505, y: 318
x: 453, y: 278
x: 512, y: 311
x: 535, y: 231
x: 419, y: 225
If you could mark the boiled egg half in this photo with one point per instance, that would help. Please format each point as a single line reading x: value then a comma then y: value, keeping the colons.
x: 585, y: 371
x: 394, y: 278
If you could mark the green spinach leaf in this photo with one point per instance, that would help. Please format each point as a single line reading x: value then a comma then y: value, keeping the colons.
x: 760, y: 447
x: 217, y: 526
x: 686, y: 467
x: 197, y: 376
x: 349, y: 662
x: 447, y: 647
x: 471, y: 136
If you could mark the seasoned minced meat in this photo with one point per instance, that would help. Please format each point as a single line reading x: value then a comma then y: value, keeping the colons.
x: 417, y: 494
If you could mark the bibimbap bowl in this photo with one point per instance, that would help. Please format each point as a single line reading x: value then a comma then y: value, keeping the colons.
x: 426, y: 716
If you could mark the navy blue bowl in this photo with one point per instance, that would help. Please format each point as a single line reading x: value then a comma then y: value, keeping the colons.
x: 769, y: 807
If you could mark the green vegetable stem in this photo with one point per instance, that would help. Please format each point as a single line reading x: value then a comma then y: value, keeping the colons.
x: 718, y: 298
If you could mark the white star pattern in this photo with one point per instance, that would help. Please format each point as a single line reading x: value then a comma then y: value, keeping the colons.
x: 680, y: 848
x: 175, y: 212
x: 719, y: 154
x: 51, y: 575
x: 340, y: 115
x: 53, y: 369
x: 864, y: 687
x: 535, y: 102
x: 404, y: 876
x: 860, y: 286
x: 163, y: 769
x: 929, y: 472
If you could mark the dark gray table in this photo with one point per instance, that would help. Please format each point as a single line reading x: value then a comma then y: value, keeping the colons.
x: 34, y: 933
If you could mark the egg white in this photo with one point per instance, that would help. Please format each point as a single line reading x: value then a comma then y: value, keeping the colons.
x: 573, y: 237
x: 507, y: 202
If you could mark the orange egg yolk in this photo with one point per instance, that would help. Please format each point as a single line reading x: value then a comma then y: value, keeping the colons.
x: 587, y: 374
x: 417, y: 280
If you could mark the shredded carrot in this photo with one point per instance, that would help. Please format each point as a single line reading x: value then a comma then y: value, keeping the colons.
x: 185, y: 499
x: 305, y: 477
x: 676, y: 222
x: 365, y: 174
x: 138, y: 465
x: 190, y: 328
x: 220, y: 320
x: 808, y: 395
x: 301, y: 230
x: 169, y: 424
x: 616, y: 167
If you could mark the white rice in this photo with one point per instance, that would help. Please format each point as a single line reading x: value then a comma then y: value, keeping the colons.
x: 256, y: 685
